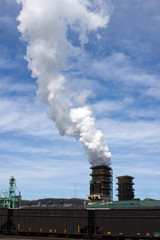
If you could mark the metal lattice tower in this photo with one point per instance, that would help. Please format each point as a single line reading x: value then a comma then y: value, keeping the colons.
x: 125, y: 188
x: 12, y: 197
x: 14, y: 194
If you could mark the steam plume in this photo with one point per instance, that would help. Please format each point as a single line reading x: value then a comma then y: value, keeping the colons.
x: 44, y: 25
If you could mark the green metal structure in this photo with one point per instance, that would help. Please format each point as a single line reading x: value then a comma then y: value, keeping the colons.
x: 10, y: 198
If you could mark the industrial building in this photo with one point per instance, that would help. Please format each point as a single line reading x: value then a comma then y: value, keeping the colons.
x: 103, y: 218
x: 125, y: 188
x: 101, y: 185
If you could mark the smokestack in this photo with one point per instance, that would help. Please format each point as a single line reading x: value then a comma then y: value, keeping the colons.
x: 125, y: 188
x: 101, y: 183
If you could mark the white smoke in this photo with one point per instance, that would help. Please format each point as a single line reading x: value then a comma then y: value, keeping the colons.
x: 44, y: 25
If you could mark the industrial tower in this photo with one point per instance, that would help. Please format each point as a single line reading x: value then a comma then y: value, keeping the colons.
x: 125, y: 188
x: 101, y: 184
x: 12, y: 197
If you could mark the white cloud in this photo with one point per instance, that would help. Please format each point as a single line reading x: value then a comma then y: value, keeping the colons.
x: 105, y: 107
x: 7, y: 86
x: 125, y: 109
x: 6, y: 63
x: 131, y: 133
x: 26, y: 116
x: 119, y: 68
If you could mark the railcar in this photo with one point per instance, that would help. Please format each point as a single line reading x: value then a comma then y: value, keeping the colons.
x: 48, y: 221
x: 138, y: 223
x: 132, y: 223
x: 5, y: 219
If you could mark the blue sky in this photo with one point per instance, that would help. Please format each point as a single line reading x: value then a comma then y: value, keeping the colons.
x: 120, y: 66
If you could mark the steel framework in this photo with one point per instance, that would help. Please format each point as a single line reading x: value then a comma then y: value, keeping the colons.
x: 125, y: 188
x: 10, y: 198
x: 101, y: 185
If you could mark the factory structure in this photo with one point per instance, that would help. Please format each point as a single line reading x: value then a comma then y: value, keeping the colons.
x: 101, y: 185
x: 101, y: 189
x: 125, y: 188
x: 10, y: 198
x: 101, y: 218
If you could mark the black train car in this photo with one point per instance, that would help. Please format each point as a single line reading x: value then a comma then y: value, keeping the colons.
x: 132, y: 223
x: 128, y: 223
x: 4, y: 219
x: 51, y: 221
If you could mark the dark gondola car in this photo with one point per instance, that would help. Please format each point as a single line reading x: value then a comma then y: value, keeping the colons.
x: 133, y: 223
